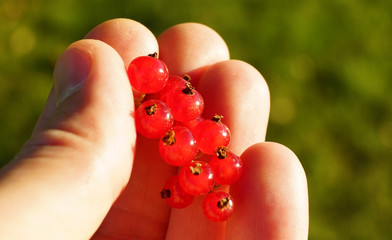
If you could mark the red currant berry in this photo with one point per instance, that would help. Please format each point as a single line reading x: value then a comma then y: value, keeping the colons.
x: 174, y: 195
x: 173, y: 82
x: 191, y: 125
x: 153, y: 118
x: 178, y: 147
x: 148, y: 74
x: 186, y: 103
x: 211, y: 134
x: 227, y: 166
x: 218, y: 206
x: 196, y: 178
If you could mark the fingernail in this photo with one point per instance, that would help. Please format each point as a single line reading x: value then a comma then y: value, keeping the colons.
x: 71, y: 72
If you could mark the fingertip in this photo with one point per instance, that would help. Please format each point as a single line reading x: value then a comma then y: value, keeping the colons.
x: 189, y: 46
x: 274, y: 155
x: 272, y: 200
x: 106, y: 82
x: 238, y: 91
x: 128, y: 37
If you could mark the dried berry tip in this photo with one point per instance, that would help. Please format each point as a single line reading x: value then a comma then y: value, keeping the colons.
x: 187, y: 78
x: 188, y: 90
x: 154, y: 55
x: 165, y: 193
x: 221, y: 152
x: 217, y: 118
x: 150, y: 110
x: 196, y: 170
x: 169, y: 138
x: 223, y: 203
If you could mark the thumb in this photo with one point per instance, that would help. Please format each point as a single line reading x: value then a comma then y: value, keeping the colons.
x: 80, y: 155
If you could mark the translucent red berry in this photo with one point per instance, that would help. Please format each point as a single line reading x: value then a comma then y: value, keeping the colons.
x: 218, y: 206
x: 186, y: 103
x: 173, y: 82
x: 211, y: 134
x: 191, y: 125
x: 178, y: 147
x: 174, y: 195
x: 196, y: 178
x: 153, y: 118
x: 227, y: 166
x: 148, y: 74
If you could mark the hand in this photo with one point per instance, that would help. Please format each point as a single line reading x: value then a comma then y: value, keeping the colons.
x: 66, y: 181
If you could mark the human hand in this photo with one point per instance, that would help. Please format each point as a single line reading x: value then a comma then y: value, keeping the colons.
x: 66, y: 181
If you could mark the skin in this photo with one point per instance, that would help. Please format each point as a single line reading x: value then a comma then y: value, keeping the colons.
x: 81, y: 176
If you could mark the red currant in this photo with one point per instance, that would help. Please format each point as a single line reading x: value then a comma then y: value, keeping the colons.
x: 211, y: 134
x: 186, y: 103
x: 227, y: 166
x: 196, y: 178
x: 168, y: 99
x: 178, y: 147
x: 153, y: 118
x: 174, y: 195
x: 173, y: 82
x: 218, y: 206
x: 148, y: 74
x: 191, y: 125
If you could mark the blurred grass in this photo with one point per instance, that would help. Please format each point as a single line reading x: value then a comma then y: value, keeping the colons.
x: 328, y: 65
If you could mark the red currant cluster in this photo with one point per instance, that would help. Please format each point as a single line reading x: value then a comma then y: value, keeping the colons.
x: 172, y: 114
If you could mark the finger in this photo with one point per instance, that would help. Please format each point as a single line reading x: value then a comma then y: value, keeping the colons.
x: 139, y: 209
x: 237, y: 91
x: 271, y: 196
x: 70, y: 172
x: 190, y: 48
x: 129, y: 38
x: 49, y: 108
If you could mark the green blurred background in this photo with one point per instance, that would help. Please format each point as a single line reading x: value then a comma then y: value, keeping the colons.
x: 328, y: 65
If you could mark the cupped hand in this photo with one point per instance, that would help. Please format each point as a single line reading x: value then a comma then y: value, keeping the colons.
x: 85, y: 173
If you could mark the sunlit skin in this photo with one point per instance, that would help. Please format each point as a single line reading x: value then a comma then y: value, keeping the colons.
x: 84, y: 173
